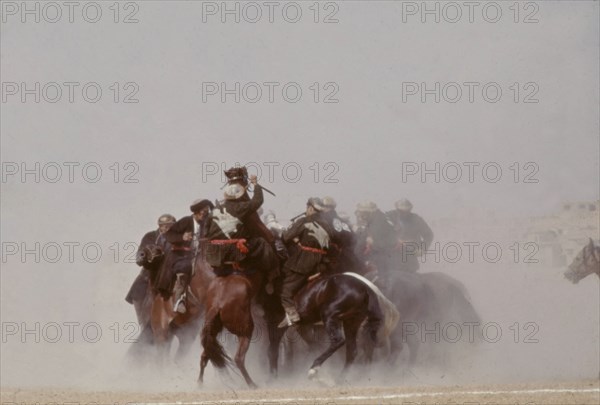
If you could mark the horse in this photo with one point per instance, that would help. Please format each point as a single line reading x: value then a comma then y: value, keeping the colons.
x: 343, y: 302
x: 426, y: 302
x: 162, y: 321
x: 585, y: 263
x: 228, y: 305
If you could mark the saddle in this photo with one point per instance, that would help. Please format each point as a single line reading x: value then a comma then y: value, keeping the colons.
x: 229, y: 268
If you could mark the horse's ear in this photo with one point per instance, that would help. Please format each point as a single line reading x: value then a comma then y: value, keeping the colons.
x: 591, y: 242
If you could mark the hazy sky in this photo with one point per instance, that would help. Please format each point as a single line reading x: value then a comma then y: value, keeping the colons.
x: 374, y: 52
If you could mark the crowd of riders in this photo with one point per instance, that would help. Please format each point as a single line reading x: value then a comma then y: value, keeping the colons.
x: 231, y: 237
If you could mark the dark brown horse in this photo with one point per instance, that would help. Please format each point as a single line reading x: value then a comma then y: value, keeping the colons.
x: 343, y: 302
x: 585, y: 263
x: 164, y: 322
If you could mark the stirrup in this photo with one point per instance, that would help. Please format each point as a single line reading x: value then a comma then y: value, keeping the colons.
x: 287, y: 322
x: 179, y: 305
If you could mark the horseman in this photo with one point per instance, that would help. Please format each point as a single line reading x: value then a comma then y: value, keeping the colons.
x: 413, y: 234
x: 343, y: 239
x: 185, y: 236
x: 139, y: 288
x: 312, y: 235
x: 377, y: 238
x: 238, y: 238
x: 270, y: 220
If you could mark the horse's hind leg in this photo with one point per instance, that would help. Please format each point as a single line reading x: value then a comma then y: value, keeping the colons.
x: 334, y: 330
x: 240, y: 359
x: 213, y: 327
x: 351, y: 327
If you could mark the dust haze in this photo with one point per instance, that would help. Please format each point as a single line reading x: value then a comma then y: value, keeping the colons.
x: 482, y: 173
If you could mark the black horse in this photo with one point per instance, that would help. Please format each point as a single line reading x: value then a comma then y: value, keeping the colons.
x: 343, y: 302
x: 427, y: 302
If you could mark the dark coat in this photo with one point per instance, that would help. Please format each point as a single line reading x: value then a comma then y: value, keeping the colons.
x: 410, y: 227
x: 150, y: 238
x: 313, y: 232
x: 186, y: 224
x: 341, y: 233
x: 382, y: 232
x: 243, y: 209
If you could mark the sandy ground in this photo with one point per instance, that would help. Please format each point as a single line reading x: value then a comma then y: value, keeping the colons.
x: 572, y: 392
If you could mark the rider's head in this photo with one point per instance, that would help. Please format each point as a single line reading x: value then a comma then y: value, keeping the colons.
x: 403, y: 205
x: 201, y: 208
x: 165, y: 222
x: 313, y: 205
x: 364, y: 211
x: 234, y: 191
x: 329, y: 204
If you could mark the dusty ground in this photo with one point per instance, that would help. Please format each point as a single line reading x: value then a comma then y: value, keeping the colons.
x: 572, y: 392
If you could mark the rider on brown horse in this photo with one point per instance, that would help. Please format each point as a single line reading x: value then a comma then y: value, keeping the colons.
x: 311, y: 233
x: 185, y: 237
x: 238, y: 239
x: 139, y: 288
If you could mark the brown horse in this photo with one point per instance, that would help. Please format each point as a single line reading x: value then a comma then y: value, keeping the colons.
x: 165, y: 322
x: 585, y: 263
x: 228, y: 303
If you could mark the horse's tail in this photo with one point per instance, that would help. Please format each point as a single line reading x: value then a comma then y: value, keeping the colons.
x: 213, y: 349
x: 375, y: 316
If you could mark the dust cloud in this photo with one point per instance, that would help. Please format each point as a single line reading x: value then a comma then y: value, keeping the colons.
x: 67, y: 244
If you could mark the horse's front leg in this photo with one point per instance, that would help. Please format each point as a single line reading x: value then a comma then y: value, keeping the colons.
x: 275, y: 335
x: 159, y: 322
x: 333, y: 326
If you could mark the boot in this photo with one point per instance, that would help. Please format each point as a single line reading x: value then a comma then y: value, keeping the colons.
x: 179, y: 293
x: 292, y: 317
x: 271, y: 277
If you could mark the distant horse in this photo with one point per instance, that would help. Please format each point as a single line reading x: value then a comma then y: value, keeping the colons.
x: 585, y: 263
x: 164, y: 321
x: 343, y: 302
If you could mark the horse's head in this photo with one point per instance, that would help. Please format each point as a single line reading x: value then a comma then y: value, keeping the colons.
x: 585, y: 263
x: 152, y: 255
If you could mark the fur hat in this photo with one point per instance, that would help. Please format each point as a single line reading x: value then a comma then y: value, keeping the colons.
x: 166, y: 219
x: 404, y: 205
x: 329, y: 202
x: 199, y: 205
x: 367, y: 206
x: 316, y: 203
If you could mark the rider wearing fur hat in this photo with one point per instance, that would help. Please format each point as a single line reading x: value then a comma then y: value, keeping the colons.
x: 137, y: 292
x: 343, y: 239
x: 413, y: 234
x: 377, y: 239
x: 236, y: 234
x: 311, y: 234
x: 185, y: 236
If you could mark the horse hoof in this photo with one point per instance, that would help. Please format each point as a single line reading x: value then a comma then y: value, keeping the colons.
x: 313, y: 372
